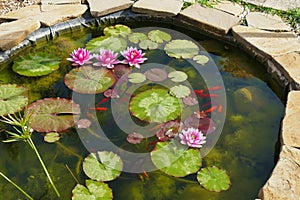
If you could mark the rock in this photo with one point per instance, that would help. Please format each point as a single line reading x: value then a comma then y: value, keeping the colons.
x: 282, y: 4
x: 209, y: 18
x: 158, y: 7
x: 103, y: 7
x: 266, y: 22
x: 284, y: 183
x: 55, y: 2
x: 270, y: 43
x: 230, y: 7
x: 12, y: 33
x: 291, y: 122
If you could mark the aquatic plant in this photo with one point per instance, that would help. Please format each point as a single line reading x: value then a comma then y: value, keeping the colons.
x: 133, y: 57
x: 106, y: 58
x: 80, y: 56
x: 93, y: 190
x: 192, y: 137
x: 134, y: 138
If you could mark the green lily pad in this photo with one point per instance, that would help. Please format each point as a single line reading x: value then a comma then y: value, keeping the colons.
x: 159, y: 36
x: 201, y: 59
x: 108, y: 168
x: 106, y: 42
x: 51, y: 137
x: 93, y: 191
x: 213, y: 179
x: 53, y: 114
x: 181, y: 49
x: 177, y: 76
x: 117, y: 30
x: 148, y: 44
x: 175, y: 160
x: 89, y: 80
x: 38, y: 64
x: 137, y: 37
x: 136, y: 78
x: 12, y: 98
x: 180, y: 91
x: 155, y: 105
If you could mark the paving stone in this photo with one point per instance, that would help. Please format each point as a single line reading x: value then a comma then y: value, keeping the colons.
x: 158, y: 7
x: 230, y: 7
x: 270, y: 43
x: 266, y: 22
x: 255, y: 2
x: 47, y: 14
x: 103, y: 7
x: 55, y: 2
x: 282, y: 4
x: 284, y: 183
x: 291, y: 121
x: 209, y: 18
x: 12, y: 33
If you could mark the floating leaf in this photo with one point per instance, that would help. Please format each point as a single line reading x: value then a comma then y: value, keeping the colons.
x: 50, y: 114
x: 148, y: 44
x: 94, y: 190
x: 136, y: 77
x: 180, y: 91
x: 213, y: 179
x: 121, y: 69
x: 37, y: 64
x: 189, y: 101
x: 156, y: 75
x: 177, y: 76
x: 117, y: 30
x: 159, y: 36
x: 134, y: 138
x: 52, y: 137
x: 181, y: 49
x: 174, y: 160
x: 106, y: 42
x: 108, y: 168
x: 201, y: 59
x: 155, y: 105
x: 137, y: 37
x: 12, y: 98
x: 89, y: 80
x: 204, y: 123
x: 83, y: 123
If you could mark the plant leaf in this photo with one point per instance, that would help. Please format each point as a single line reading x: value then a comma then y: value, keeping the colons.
x: 177, y: 76
x: 181, y: 49
x: 94, y: 191
x: 201, y: 59
x: 117, y: 30
x: 180, y: 91
x: 137, y: 37
x: 136, y: 77
x: 106, y: 42
x: 51, y: 137
x: 159, y: 36
x: 156, y: 75
x: 148, y: 44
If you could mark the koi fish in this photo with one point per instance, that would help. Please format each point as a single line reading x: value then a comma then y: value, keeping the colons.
x: 98, y: 108
x: 202, y: 93
x: 103, y: 101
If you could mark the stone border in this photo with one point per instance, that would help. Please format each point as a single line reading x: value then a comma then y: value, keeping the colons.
x: 283, y: 63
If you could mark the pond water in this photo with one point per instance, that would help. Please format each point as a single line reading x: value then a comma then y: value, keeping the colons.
x: 248, y: 119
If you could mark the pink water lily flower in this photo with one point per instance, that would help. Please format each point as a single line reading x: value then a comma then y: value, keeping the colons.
x: 80, y: 56
x: 192, y: 137
x: 133, y: 57
x: 107, y: 58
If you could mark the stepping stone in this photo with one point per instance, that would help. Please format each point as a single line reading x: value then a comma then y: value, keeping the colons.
x: 266, y: 22
x: 230, y: 7
x: 158, y: 7
x: 284, y: 183
x: 270, y: 43
x: 282, y: 4
x: 55, y: 2
x: 12, y: 33
x: 47, y: 14
x: 209, y: 18
x: 103, y: 7
x: 255, y: 2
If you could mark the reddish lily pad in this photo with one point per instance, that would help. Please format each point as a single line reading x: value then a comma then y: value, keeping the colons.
x: 83, y: 123
x: 204, y: 124
x: 135, y: 138
x: 156, y: 75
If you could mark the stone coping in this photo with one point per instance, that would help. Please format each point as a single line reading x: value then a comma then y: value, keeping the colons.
x: 278, y: 51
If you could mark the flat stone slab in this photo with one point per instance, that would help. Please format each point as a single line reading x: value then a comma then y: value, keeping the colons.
x: 284, y: 183
x: 55, y: 2
x: 12, y: 33
x: 158, y: 7
x: 47, y: 14
x: 270, y: 43
x: 230, y: 7
x: 103, y: 7
x: 282, y: 4
x: 266, y: 22
x: 209, y: 18
x: 291, y: 121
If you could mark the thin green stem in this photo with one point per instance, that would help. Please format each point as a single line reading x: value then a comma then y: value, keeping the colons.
x: 16, y: 186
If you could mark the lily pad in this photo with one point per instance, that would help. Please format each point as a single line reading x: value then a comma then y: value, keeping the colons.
x: 201, y: 59
x: 37, y: 64
x: 117, y: 30
x: 181, y: 49
x: 156, y: 75
x: 12, y: 98
x: 89, y: 80
x: 137, y: 37
x: 136, y: 78
x: 51, y: 137
x: 175, y: 160
x: 53, y: 115
x: 155, y: 105
x: 108, y: 167
x: 159, y: 36
x: 180, y: 91
x: 148, y: 44
x: 115, y: 44
x: 94, y: 190
x: 213, y: 179
x: 177, y: 76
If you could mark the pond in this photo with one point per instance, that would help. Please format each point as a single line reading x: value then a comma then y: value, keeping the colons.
x: 138, y: 112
